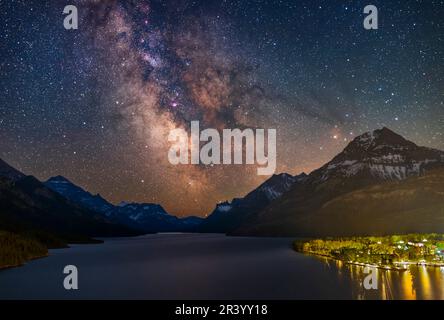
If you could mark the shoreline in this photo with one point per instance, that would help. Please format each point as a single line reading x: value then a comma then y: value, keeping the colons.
x: 23, y: 263
x: 407, y: 264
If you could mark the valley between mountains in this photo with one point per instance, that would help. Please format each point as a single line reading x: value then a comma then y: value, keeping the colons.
x: 380, y: 184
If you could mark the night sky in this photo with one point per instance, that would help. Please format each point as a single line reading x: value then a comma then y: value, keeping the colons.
x: 96, y: 104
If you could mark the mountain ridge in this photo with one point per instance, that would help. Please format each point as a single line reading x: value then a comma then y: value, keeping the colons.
x: 73, y: 192
x: 148, y: 217
x: 10, y: 172
x: 227, y: 216
x: 371, y: 158
x: 28, y: 205
x: 279, y: 203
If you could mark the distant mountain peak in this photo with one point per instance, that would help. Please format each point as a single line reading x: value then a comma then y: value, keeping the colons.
x: 301, y: 175
x: 385, y: 130
x: 224, y: 206
x: 78, y: 195
x: 381, y: 154
x: 59, y: 179
x: 141, y: 209
x: 376, y: 139
x: 141, y: 205
x: 282, y: 175
x: 229, y: 214
x: 150, y: 217
x: 375, y: 185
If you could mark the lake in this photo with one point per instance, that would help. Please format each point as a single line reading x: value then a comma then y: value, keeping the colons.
x: 207, y: 266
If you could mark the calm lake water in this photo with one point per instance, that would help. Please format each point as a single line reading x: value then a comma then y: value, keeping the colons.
x: 208, y: 266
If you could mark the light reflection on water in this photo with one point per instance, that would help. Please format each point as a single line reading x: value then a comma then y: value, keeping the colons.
x: 416, y: 283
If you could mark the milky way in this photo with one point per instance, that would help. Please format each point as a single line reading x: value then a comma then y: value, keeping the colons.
x: 96, y: 104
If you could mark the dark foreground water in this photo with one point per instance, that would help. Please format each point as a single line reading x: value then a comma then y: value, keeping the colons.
x: 193, y: 266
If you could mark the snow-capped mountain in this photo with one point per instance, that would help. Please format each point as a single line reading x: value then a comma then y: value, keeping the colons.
x: 228, y: 215
x: 139, y: 212
x: 28, y: 205
x: 275, y: 187
x: 371, y: 159
x: 381, y: 154
x: 147, y: 217
x: 224, y: 207
x: 151, y: 217
x: 78, y: 195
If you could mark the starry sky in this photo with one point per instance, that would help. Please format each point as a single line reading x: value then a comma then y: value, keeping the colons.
x: 96, y: 104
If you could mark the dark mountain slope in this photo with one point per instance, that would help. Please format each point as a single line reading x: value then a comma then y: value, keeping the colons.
x: 152, y: 217
x: 226, y: 217
x: 28, y: 205
x: 76, y: 194
x: 9, y: 172
x: 148, y: 217
x: 414, y: 205
x: 370, y: 159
